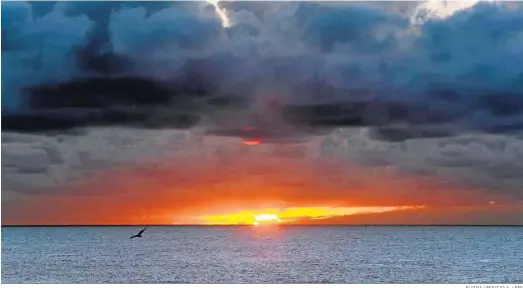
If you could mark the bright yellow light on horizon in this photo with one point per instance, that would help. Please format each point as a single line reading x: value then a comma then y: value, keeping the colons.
x: 288, y: 215
x: 266, y: 219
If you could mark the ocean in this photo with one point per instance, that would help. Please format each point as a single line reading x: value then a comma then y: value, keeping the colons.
x: 284, y: 254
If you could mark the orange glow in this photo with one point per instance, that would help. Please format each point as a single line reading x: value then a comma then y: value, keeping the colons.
x: 233, y: 186
x: 289, y: 215
x: 252, y: 142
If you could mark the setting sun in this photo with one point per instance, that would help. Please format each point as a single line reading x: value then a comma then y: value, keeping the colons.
x: 266, y: 219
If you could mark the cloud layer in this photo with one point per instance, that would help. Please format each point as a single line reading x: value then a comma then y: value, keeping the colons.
x: 409, y: 72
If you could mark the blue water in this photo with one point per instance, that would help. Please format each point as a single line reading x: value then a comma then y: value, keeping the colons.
x: 267, y: 255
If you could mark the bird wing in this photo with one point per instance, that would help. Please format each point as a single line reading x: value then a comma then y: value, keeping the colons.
x: 141, y: 231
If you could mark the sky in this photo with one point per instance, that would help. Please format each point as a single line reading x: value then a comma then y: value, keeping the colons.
x: 322, y: 113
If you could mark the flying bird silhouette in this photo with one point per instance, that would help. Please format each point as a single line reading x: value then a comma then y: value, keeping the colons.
x: 139, y: 235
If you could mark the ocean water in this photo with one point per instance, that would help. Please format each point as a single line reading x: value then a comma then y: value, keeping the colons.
x: 340, y: 254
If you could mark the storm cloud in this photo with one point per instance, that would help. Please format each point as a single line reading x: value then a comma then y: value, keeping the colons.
x: 170, y: 65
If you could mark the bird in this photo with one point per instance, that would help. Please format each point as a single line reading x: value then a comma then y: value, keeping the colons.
x: 139, y: 235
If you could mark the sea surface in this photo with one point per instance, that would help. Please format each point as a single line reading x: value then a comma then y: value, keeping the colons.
x: 336, y: 254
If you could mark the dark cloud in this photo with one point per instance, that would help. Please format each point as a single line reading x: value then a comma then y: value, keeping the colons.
x: 35, y: 163
x: 159, y: 65
x: 485, y: 161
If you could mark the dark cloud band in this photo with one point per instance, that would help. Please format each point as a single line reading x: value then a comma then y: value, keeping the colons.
x: 334, y: 65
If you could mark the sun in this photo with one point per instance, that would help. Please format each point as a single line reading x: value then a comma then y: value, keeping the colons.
x: 263, y: 219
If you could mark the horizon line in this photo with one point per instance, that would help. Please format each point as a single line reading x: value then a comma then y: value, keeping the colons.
x: 249, y: 225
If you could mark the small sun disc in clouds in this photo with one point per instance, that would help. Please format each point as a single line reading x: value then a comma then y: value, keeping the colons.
x: 266, y: 219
